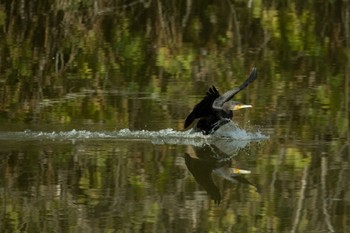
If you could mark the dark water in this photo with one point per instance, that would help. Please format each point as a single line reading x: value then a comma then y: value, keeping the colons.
x: 93, y: 97
x: 125, y: 180
x: 169, y: 181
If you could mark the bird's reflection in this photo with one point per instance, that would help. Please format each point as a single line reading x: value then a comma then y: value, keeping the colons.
x: 204, y: 162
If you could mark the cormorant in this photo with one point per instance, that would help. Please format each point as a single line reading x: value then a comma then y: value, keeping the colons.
x: 203, y: 170
x: 215, y: 110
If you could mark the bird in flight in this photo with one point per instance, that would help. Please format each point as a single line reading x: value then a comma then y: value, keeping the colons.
x: 216, y: 110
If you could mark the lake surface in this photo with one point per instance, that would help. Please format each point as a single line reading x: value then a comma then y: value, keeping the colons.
x: 170, y: 181
x: 93, y: 97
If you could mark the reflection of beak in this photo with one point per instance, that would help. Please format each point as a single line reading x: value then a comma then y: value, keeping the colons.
x: 240, y: 106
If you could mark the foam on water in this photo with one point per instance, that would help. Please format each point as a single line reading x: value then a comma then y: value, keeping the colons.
x: 167, y: 136
x: 233, y: 131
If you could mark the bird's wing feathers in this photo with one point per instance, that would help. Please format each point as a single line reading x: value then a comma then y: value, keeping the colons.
x: 218, y: 102
x: 212, y: 92
x: 203, y: 108
x: 214, y: 100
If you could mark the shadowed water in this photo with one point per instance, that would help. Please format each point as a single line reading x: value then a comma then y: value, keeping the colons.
x: 111, y: 176
x: 93, y: 97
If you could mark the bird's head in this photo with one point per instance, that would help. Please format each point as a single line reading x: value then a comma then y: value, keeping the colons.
x: 234, y: 105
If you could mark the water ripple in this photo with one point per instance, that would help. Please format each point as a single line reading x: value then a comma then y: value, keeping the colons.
x: 159, y: 137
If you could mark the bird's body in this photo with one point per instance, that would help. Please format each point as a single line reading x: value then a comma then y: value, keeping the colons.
x: 215, y: 110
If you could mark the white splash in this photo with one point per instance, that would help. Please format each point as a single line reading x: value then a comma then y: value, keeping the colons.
x: 164, y: 136
x: 233, y: 131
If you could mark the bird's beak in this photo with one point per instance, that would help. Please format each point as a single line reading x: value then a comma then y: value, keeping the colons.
x: 240, y: 106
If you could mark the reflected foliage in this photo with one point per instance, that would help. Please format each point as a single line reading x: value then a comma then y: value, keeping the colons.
x: 50, y: 50
x: 101, y: 65
x: 108, y: 186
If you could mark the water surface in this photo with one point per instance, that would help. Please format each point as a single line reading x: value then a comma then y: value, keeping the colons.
x: 93, y: 96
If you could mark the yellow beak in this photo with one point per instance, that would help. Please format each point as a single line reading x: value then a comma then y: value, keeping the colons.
x: 240, y: 106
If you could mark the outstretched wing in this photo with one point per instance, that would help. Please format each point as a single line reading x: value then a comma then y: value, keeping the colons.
x: 203, y: 108
x: 217, y: 104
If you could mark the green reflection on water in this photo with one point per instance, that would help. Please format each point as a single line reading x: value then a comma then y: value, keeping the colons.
x: 143, y: 65
x: 50, y: 186
x: 170, y: 53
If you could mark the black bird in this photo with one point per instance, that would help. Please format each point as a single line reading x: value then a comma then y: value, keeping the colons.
x: 215, y: 110
x: 204, y: 169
